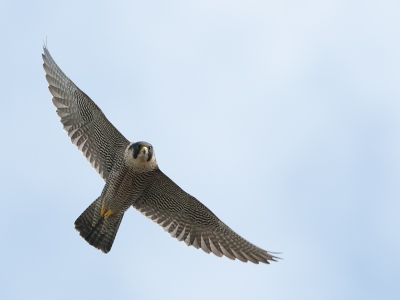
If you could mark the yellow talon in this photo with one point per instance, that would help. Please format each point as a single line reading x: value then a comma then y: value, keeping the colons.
x: 106, y: 214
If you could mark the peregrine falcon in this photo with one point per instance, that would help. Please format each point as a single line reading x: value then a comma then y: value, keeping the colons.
x: 132, y: 178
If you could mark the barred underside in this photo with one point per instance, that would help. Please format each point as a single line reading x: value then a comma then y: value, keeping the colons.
x: 188, y: 220
x: 97, y: 231
x: 100, y: 142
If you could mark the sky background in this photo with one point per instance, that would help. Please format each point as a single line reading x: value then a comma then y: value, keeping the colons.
x: 282, y: 117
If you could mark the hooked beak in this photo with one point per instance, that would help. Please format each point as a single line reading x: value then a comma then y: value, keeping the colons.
x: 144, y: 150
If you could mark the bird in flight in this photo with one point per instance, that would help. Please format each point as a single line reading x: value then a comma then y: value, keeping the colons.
x: 132, y: 178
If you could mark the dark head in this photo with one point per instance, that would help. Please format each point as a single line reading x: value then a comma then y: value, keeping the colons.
x: 142, y: 151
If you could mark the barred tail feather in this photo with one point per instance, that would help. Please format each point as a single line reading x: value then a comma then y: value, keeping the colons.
x: 97, y: 231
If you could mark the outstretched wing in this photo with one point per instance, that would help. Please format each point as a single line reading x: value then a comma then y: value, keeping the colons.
x: 187, y: 219
x: 87, y: 126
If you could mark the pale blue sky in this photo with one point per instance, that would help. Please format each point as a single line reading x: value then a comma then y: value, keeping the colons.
x: 283, y: 117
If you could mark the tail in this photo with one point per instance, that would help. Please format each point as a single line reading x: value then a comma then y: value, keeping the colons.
x: 95, y: 229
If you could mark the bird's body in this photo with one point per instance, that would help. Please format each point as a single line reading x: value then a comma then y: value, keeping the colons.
x: 125, y: 184
x: 132, y: 178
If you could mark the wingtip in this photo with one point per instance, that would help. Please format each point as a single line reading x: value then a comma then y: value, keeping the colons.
x: 45, y: 44
x: 273, y: 256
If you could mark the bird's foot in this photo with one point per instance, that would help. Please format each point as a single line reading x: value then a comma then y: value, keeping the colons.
x: 106, y: 213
